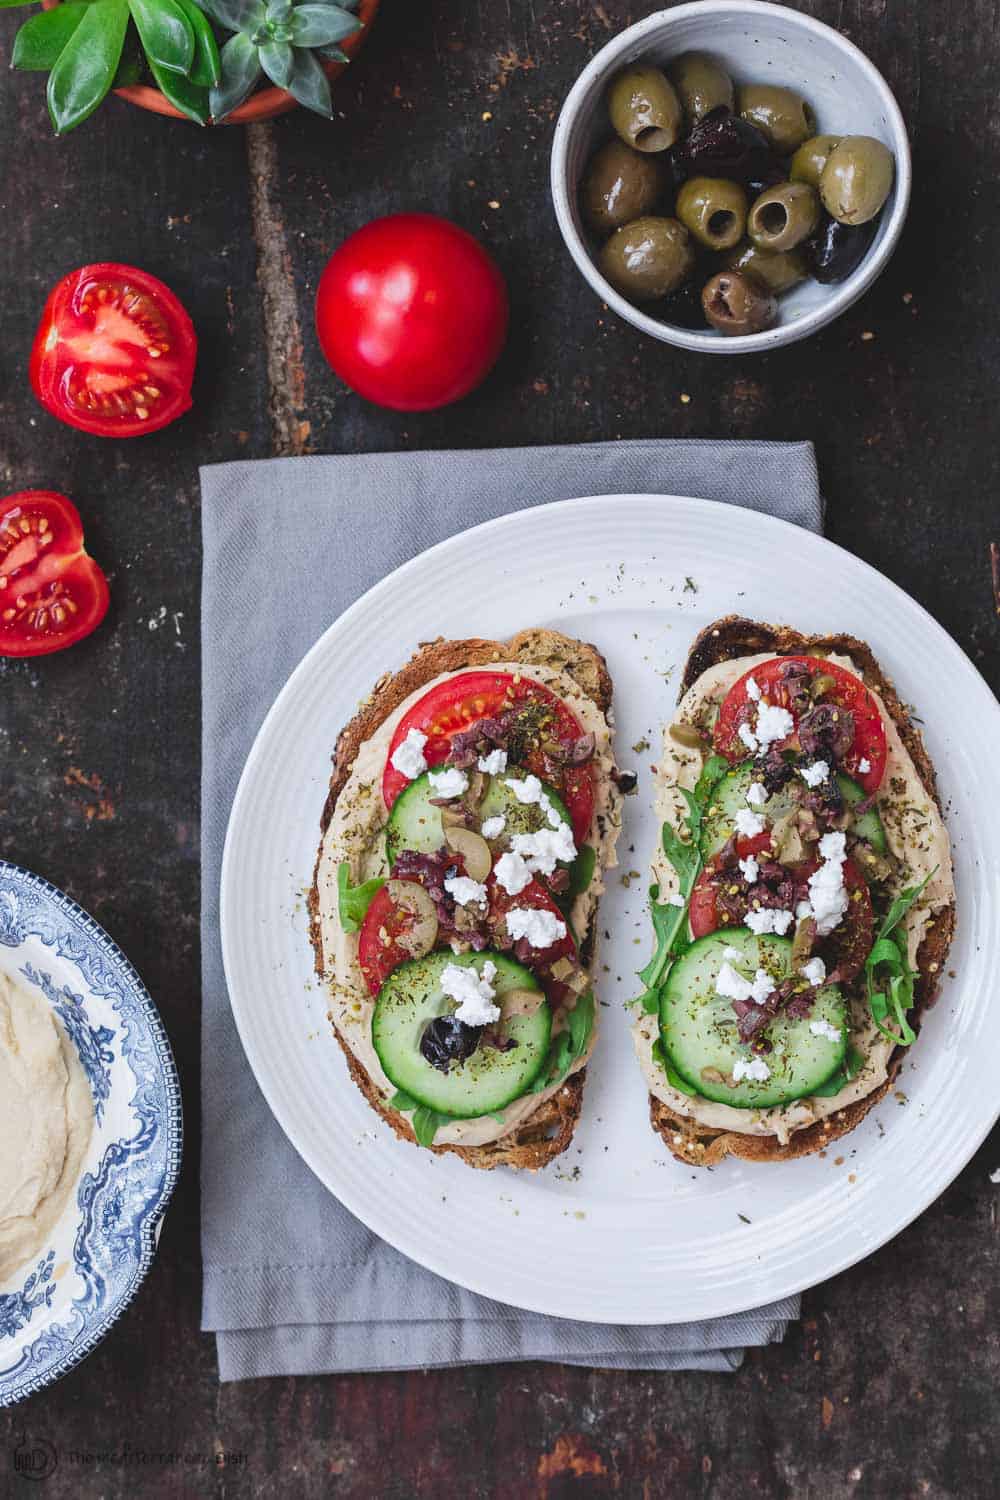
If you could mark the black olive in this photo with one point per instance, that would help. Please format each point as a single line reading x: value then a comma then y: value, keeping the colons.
x: 627, y: 781
x: 446, y: 1040
x: 724, y: 145
x: 836, y: 249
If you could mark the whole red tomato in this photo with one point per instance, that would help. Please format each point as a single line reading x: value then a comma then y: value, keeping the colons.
x: 412, y: 312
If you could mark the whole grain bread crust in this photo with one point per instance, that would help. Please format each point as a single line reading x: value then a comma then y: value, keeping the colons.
x: 549, y: 1130
x: 721, y: 641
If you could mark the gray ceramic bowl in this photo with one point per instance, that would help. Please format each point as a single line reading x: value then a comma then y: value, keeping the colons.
x: 758, y: 43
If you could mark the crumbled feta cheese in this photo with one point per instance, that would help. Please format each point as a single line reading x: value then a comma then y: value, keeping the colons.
x: 773, y: 723
x: 748, y: 823
x: 528, y: 790
x: 833, y: 845
x: 408, y: 756
x: 753, y: 691
x: 823, y: 1028
x: 451, y: 782
x: 493, y: 827
x: 543, y: 850
x: 749, y: 869
x: 754, y: 1068
x: 541, y: 928
x: 474, y: 992
x: 494, y: 762
x: 814, y: 971
x: 827, y: 894
x: 732, y: 986
x: 467, y: 892
x: 512, y: 874
x: 748, y: 737
x: 733, y: 954
x: 767, y: 920
x: 803, y: 910
x: 756, y: 794
x: 676, y: 899
x: 814, y: 774
x: 864, y: 766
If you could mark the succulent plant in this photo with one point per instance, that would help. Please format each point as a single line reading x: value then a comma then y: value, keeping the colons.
x: 283, y: 41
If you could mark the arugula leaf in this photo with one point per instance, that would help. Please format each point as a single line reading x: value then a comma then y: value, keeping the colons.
x: 567, y: 1046
x: 354, y: 900
x: 673, y: 1077
x: 403, y: 1102
x: 426, y: 1123
x: 712, y: 771
x: 581, y: 871
x: 890, y: 954
x: 853, y: 1063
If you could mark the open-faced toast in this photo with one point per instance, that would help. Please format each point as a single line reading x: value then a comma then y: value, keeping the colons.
x: 539, y: 1128
x: 704, y: 1141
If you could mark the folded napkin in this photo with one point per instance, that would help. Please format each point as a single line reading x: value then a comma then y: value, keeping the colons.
x: 294, y: 1284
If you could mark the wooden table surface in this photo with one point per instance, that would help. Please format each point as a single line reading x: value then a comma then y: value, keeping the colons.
x: 887, y: 1387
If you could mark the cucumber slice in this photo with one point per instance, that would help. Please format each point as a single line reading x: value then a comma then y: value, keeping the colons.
x: 728, y: 795
x: 485, y: 1082
x: 698, y: 1027
x: 521, y: 817
x: 869, y: 826
x: 415, y: 823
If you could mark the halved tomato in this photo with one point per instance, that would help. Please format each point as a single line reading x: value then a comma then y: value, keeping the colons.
x: 115, y: 351
x: 379, y: 951
x: 52, y: 593
x: 462, y: 701
x: 847, y: 691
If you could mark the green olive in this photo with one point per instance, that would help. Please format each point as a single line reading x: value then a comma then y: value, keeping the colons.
x: 702, y: 84
x: 620, y: 185
x: 783, y: 216
x: 737, y: 304
x: 857, y: 179
x: 811, y: 157
x: 645, y: 109
x: 779, y: 271
x: 648, y: 258
x: 714, y: 210
x: 780, y: 114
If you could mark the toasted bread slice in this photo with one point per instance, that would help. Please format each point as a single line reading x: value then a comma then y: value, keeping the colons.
x: 549, y: 1130
x: 724, y: 640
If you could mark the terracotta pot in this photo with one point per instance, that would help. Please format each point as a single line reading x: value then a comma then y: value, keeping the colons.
x: 264, y: 103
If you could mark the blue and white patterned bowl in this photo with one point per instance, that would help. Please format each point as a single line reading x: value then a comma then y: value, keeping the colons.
x: 58, y: 1308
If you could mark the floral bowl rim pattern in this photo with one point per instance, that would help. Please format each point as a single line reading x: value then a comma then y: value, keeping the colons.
x: 62, y: 1312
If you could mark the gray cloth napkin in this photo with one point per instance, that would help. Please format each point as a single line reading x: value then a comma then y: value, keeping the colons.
x: 293, y: 1283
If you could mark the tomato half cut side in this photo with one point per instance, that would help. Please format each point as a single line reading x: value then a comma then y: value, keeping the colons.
x: 52, y: 593
x: 462, y: 701
x: 844, y: 691
x: 115, y: 352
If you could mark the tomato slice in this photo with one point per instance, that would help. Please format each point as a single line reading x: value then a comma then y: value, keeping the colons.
x: 845, y: 948
x: 379, y: 950
x: 464, y: 700
x: 52, y: 593
x: 114, y: 353
x: 848, y: 692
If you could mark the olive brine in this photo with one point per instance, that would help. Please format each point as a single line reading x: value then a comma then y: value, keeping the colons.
x: 760, y: 201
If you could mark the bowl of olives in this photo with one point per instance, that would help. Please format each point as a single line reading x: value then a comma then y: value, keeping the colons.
x: 730, y: 175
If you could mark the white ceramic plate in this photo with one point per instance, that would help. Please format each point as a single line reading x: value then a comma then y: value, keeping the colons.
x: 617, y: 1231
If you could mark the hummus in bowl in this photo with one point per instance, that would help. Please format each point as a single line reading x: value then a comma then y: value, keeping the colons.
x: 46, y: 1122
x: 90, y: 1120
